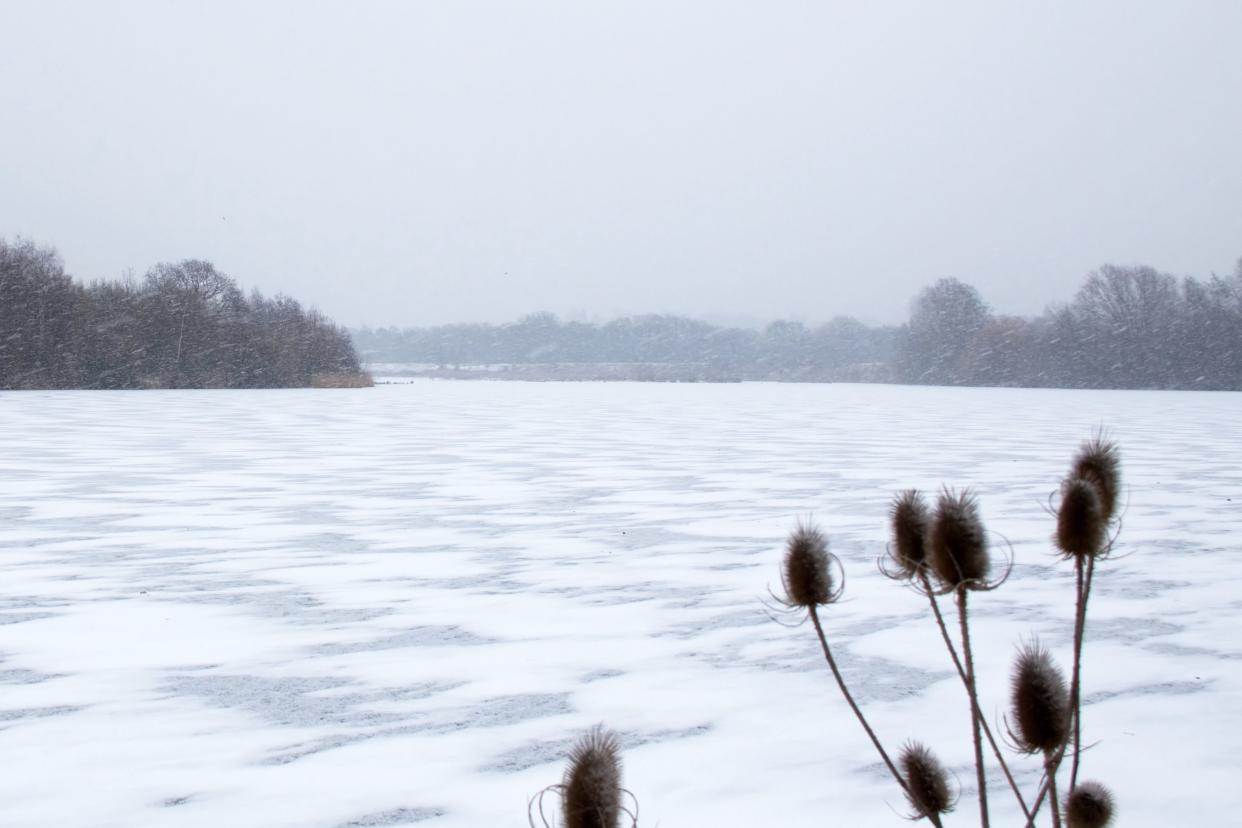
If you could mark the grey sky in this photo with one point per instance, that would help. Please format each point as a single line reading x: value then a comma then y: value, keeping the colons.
x: 419, y: 162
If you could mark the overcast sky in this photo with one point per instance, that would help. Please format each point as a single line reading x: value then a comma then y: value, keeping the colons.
x: 424, y: 162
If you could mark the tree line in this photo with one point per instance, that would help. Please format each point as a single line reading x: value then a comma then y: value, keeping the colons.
x: 183, y: 325
x: 843, y: 348
x: 1126, y: 327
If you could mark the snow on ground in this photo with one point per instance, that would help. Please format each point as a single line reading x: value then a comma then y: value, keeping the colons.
x: 399, y: 605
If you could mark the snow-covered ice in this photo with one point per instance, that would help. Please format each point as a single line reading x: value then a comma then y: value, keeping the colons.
x: 400, y: 605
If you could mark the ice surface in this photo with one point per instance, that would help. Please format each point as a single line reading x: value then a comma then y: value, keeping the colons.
x: 399, y: 605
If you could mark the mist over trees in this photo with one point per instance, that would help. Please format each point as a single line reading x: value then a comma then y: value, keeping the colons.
x: 844, y: 349
x: 1127, y: 327
x: 184, y: 325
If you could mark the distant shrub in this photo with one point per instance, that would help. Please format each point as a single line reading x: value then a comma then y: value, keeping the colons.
x: 341, y: 379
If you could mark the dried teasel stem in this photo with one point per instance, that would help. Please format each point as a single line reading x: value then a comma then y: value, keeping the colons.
x: 1050, y: 769
x: 1083, y: 572
x: 849, y: 698
x: 1097, y: 463
x: 958, y: 556
x: 1089, y: 805
x: 1088, y: 505
x: 1080, y: 629
x: 961, y: 672
x: 806, y: 575
x: 1039, y: 799
x: 908, y: 561
x: 975, y: 718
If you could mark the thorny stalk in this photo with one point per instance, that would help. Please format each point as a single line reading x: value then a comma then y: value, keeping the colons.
x: 961, y: 672
x: 1080, y: 629
x: 972, y: 691
x: 1083, y: 591
x: 1052, y: 790
x: 858, y: 714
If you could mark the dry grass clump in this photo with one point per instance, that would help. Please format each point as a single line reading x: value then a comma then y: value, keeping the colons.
x: 342, y: 379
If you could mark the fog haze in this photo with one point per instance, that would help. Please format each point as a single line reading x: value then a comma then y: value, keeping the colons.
x: 403, y: 163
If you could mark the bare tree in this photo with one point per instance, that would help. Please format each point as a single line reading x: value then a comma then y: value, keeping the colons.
x: 945, y: 318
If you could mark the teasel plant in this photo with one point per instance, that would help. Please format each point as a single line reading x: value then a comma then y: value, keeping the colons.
x: 807, y: 575
x: 1041, y: 713
x: 944, y: 551
x: 1088, y: 523
x: 1087, y: 527
x: 590, y: 793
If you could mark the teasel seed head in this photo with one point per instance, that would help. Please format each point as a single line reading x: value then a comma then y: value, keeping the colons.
x: 1082, y: 529
x: 1099, y: 463
x: 956, y: 543
x: 806, y: 573
x: 1089, y: 805
x: 591, y: 796
x: 909, y: 517
x: 927, y: 782
x: 1040, y: 701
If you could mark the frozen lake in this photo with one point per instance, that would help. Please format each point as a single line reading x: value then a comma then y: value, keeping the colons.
x: 399, y: 605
